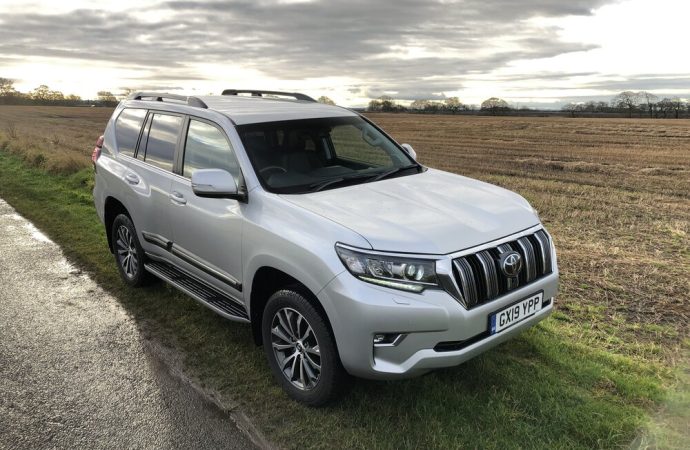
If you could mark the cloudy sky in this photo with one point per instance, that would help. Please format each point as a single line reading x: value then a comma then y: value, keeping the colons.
x: 530, y: 52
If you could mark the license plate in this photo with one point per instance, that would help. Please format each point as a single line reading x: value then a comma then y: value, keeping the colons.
x: 515, y: 313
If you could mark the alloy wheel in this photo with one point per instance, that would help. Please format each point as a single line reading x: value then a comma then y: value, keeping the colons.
x: 296, y: 348
x: 127, y: 252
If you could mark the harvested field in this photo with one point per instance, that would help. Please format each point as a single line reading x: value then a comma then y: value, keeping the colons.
x: 615, y: 195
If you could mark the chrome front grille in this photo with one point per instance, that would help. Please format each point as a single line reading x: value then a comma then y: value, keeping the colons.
x: 481, y: 279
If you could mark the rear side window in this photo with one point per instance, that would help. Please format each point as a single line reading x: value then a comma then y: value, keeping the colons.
x: 127, y: 128
x: 162, y: 139
x: 207, y: 148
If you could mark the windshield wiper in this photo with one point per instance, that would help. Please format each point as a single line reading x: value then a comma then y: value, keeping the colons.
x: 388, y: 173
x: 316, y: 187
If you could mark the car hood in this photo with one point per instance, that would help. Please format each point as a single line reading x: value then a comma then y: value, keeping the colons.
x: 433, y: 212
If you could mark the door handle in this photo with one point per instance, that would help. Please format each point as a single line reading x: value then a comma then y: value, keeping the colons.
x: 132, y: 178
x: 178, y: 198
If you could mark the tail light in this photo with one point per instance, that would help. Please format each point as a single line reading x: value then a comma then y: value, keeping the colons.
x: 97, y: 151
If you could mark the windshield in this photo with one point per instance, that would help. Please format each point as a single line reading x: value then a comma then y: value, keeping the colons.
x: 298, y: 156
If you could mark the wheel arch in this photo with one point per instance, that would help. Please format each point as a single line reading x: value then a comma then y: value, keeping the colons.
x: 266, y: 281
x: 113, y: 207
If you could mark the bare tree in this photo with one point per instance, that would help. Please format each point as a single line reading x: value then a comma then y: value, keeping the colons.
x: 419, y: 105
x: 571, y: 108
x: 433, y: 107
x: 55, y: 96
x: 665, y: 106
x: 41, y: 93
x: 649, y: 102
x: 453, y: 104
x: 495, y: 105
x: 374, y: 105
x: 677, y: 106
x: 7, y: 88
x: 106, y: 97
x: 627, y: 100
x: 387, y: 103
x: 325, y: 100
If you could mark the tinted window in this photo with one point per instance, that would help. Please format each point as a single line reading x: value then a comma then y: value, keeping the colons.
x: 162, y: 139
x: 207, y: 148
x: 127, y: 129
x: 349, y: 144
x: 297, y: 156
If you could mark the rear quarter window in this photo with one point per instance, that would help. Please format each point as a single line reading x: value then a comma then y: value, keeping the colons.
x: 162, y: 140
x: 127, y: 128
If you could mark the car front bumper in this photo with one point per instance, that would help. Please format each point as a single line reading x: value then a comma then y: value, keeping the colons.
x: 359, y: 310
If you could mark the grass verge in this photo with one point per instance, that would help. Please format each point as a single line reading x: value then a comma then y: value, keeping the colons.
x: 562, y: 384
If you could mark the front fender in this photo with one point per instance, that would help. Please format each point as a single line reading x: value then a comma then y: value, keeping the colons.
x: 286, y: 237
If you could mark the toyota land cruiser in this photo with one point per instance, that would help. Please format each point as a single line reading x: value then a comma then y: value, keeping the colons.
x: 307, y: 221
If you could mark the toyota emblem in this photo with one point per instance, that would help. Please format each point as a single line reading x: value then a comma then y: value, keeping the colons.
x: 511, y: 263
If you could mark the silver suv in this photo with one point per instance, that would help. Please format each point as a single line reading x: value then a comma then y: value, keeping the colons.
x: 307, y: 221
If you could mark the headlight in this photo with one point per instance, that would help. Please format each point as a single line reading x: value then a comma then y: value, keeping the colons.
x: 408, y: 274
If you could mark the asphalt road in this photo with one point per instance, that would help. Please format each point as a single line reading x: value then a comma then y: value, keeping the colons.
x: 77, y: 372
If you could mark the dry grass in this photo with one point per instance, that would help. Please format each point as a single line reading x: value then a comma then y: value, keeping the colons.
x: 54, y: 138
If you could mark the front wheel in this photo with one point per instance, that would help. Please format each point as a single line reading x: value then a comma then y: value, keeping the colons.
x: 129, y: 255
x: 301, y: 350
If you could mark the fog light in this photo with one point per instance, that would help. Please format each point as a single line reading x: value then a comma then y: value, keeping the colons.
x: 379, y: 338
x: 388, y: 339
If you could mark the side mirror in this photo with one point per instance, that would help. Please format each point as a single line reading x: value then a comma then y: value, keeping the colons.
x: 216, y: 183
x: 410, y: 151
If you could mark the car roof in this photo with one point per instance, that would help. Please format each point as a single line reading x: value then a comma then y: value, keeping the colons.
x: 247, y: 110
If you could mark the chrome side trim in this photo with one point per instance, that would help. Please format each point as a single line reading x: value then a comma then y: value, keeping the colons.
x: 157, y: 239
x: 187, y: 257
x: 201, y: 265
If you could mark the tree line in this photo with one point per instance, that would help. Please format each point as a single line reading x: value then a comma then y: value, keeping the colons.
x: 43, y: 95
x: 449, y: 105
x: 634, y: 104
x: 627, y: 103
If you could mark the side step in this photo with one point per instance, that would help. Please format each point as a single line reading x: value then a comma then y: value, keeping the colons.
x: 199, y: 291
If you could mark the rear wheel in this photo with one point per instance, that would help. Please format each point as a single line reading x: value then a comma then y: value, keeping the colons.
x: 129, y: 255
x: 301, y: 350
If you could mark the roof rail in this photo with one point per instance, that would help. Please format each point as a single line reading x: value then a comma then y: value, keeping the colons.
x: 261, y: 93
x: 158, y: 97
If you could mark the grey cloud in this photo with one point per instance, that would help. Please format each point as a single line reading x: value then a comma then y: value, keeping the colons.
x: 296, y: 41
x: 643, y: 83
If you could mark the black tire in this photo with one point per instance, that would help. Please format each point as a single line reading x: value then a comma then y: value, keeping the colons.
x: 332, y: 378
x: 132, y: 271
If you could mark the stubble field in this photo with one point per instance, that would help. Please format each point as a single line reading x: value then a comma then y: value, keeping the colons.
x: 611, y: 363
